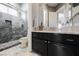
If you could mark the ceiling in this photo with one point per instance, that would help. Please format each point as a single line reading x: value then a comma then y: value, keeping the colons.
x: 52, y: 4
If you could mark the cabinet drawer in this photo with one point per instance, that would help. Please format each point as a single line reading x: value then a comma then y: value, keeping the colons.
x: 44, y: 36
x: 47, y: 36
x: 70, y: 38
x: 35, y: 35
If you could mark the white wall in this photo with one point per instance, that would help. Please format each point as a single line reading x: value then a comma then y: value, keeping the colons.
x: 52, y: 19
x: 45, y: 15
x: 29, y: 21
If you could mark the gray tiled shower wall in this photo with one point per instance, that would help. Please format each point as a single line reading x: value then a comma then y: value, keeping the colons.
x: 11, y: 32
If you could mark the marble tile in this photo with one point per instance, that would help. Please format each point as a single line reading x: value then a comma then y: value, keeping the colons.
x: 8, y: 44
x: 17, y: 51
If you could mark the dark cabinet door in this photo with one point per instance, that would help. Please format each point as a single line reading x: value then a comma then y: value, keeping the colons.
x: 39, y: 46
x: 55, y: 49
x: 77, y: 51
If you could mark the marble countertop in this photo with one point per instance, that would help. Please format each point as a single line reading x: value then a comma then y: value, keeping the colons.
x: 67, y: 30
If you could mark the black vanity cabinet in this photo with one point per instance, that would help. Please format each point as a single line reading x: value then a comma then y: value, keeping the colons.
x: 55, y: 44
x: 39, y: 46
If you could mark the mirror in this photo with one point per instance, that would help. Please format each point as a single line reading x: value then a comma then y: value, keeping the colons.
x: 64, y: 16
x: 68, y: 15
x: 61, y: 15
x: 75, y: 14
x: 37, y: 15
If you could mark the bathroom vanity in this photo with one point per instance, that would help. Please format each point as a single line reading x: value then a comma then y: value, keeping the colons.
x: 62, y: 41
x: 56, y: 43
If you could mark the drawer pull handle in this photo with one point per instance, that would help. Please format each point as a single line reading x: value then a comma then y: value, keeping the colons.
x: 45, y: 41
x: 49, y: 42
x: 70, y: 40
x: 58, y: 45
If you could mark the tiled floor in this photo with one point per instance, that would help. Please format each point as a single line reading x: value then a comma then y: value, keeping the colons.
x: 17, y: 51
x: 8, y: 44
